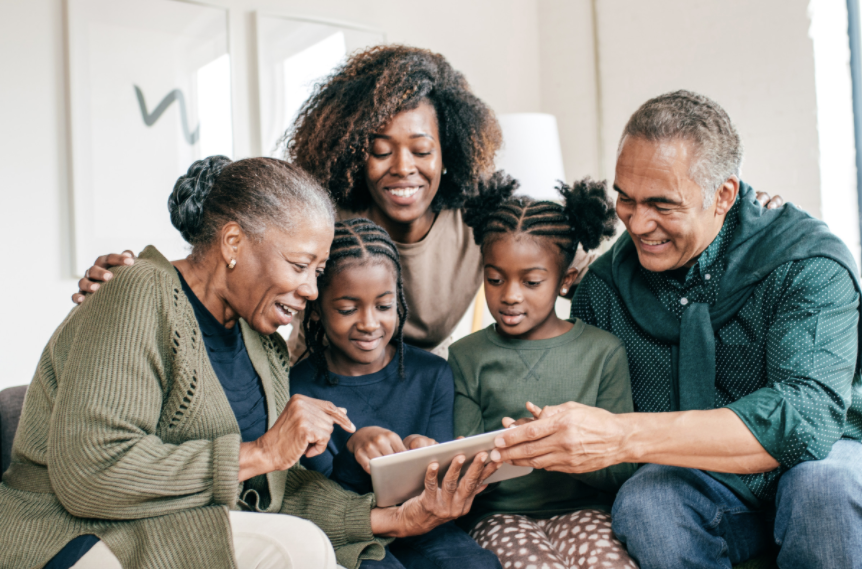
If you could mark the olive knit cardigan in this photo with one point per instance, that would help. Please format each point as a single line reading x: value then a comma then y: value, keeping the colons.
x: 127, y: 434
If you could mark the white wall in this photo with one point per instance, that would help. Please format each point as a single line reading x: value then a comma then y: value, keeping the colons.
x: 494, y: 42
x: 755, y: 58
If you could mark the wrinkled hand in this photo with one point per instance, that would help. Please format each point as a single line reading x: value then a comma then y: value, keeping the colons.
x: 303, y: 428
x: 443, y: 502
x: 99, y: 273
x: 570, y: 438
x: 769, y: 202
x: 371, y: 442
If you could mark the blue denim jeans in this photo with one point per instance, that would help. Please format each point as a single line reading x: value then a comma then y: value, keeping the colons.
x: 680, y: 517
x: 444, y: 547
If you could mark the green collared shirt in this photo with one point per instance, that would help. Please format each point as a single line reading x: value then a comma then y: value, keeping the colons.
x: 790, y: 349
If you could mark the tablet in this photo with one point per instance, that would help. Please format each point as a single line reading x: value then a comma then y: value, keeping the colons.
x: 399, y: 477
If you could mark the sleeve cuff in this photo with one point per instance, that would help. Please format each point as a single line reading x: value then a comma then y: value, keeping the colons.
x: 226, y: 485
x: 357, y: 518
x: 777, y: 426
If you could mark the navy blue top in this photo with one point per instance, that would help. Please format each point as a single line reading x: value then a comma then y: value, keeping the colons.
x: 421, y: 404
x: 240, y: 382
x: 233, y: 368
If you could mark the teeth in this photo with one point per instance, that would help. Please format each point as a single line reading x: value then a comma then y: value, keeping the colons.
x: 287, y: 309
x: 645, y: 242
x: 404, y: 192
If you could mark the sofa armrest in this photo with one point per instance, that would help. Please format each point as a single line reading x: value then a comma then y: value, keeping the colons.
x: 11, y: 402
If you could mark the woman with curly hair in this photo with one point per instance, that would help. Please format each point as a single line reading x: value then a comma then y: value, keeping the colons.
x: 397, y: 136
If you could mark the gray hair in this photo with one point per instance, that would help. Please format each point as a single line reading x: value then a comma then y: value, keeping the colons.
x: 699, y: 120
x: 256, y: 193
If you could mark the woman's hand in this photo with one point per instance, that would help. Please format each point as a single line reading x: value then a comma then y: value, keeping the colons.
x: 303, y: 428
x: 439, y: 502
x: 99, y: 273
x: 371, y: 442
x: 769, y: 202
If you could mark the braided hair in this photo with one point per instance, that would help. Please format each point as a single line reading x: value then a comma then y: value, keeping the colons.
x: 586, y: 216
x: 356, y: 239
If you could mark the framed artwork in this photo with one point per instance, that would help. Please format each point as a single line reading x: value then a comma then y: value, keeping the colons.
x: 293, y: 54
x: 149, y: 94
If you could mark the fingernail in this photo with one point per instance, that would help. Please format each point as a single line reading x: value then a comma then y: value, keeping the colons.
x: 95, y: 287
x: 108, y: 276
x: 499, y: 442
x: 495, y: 455
x: 434, y: 467
x: 352, y: 426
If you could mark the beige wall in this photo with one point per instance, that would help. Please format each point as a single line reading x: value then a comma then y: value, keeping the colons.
x: 755, y: 58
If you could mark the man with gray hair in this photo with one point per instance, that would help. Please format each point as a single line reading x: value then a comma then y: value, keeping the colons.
x: 741, y: 328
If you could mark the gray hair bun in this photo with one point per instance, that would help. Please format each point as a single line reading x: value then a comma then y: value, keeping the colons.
x: 190, y: 192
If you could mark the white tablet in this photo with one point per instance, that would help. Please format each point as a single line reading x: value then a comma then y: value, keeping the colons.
x: 399, y: 477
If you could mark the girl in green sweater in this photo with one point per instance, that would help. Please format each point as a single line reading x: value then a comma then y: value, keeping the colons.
x: 531, y: 358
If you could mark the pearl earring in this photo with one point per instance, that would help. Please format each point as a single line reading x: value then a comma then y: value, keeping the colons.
x: 232, y: 264
x: 444, y: 171
x: 564, y: 290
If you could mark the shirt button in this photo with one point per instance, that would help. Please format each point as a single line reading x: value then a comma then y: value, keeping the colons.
x: 683, y: 301
x: 707, y: 276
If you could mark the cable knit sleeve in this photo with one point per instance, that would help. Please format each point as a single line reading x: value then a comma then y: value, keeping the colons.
x: 104, y: 457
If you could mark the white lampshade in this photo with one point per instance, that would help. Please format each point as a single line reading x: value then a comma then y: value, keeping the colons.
x: 531, y: 153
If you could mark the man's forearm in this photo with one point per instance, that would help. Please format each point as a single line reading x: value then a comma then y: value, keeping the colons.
x: 714, y: 440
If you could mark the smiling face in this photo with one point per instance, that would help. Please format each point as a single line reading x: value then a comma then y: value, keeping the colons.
x: 274, y: 278
x: 359, y: 314
x: 662, y: 207
x: 403, y: 169
x: 522, y: 280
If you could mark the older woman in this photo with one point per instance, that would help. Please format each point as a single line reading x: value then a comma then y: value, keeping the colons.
x: 397, y: 136
x: 160, y: 408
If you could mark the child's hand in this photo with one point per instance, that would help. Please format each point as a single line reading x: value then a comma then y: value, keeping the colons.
x: 418, y: 441
x: 371, y: 442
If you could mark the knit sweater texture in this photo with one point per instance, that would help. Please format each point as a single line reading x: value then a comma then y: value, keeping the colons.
x: 126, y: 433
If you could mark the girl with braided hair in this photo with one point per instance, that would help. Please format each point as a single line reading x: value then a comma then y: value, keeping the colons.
x: 399, y: 397
x: 531, y: 356
x: 397, y: 136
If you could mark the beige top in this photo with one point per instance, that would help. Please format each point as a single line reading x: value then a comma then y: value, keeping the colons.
x: 442, y: 274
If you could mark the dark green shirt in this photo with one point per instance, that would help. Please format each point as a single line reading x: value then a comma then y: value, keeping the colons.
x: 496, y: 376
x: 790, y: 350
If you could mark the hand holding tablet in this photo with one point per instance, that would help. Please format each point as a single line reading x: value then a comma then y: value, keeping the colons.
x: 399, y: 477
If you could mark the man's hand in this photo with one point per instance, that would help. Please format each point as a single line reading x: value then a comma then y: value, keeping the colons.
x: 98, y: 274
x: 571, y: 438
x: 303, y: 428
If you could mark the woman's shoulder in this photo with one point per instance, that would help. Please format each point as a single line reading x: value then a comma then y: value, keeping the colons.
x: 151, y: 276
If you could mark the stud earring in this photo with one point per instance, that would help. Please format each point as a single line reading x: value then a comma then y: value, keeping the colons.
x: 232, y: 264
x: 444, y: 171
x: 564, y: 290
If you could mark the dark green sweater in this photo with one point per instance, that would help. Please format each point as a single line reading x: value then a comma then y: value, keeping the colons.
x: 496, y: 376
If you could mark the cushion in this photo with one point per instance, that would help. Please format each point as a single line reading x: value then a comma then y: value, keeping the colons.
x: 11, y: 402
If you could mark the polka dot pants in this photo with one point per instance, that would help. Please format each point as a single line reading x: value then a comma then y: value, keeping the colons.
x: 579, y: 539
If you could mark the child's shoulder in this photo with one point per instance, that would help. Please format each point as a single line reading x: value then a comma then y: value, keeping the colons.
x: 418, y: 358
x: 599, y: 337
x: 478, y: 340
x: 303, y: 371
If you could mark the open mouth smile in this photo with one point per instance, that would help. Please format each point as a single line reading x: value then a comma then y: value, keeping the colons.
x: 285, y: 313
